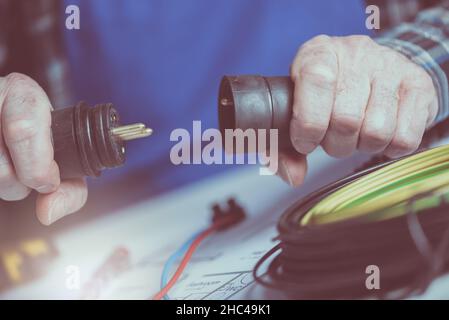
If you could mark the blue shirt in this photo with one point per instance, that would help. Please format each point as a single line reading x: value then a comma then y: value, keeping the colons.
x: 160, y: 62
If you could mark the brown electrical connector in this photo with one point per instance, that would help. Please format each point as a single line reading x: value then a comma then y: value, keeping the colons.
x: 256, y: 102
x: 224, y: 219
x: 88, y: 140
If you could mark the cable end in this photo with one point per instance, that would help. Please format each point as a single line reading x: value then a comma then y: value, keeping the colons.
x: 224, y: 219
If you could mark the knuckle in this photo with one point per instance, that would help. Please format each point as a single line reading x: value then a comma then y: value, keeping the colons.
x: 421, y: 82
x: 24, y: 95
x: 346, y: 124
x: 17, y: 78
x: 361, y: 39
x: 359, y: 42
x: 21, y: 95
x: 364, y: 38
x: 375, y: 138
x: 321, y: 39
x: 334, y: 151
x: 35, y: 179
x: 385, y: 94
x: 18, y: 84
x: 20, y: 130
x: 318, y: 74
x: 318, y: 40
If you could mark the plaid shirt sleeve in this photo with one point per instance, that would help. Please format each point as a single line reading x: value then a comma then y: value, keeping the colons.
x: 421, y: 32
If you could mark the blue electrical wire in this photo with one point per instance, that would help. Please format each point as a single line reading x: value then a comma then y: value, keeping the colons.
x: 173, y: 258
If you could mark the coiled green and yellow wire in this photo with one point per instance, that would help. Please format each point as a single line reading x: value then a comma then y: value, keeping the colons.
x: 385, y: 193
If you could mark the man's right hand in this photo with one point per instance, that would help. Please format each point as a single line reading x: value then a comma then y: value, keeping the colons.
x: 352, y: 93
x: 26, y: 151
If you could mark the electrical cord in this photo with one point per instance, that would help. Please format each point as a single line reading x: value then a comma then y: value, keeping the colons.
x: 185, y: 260
x: 392, y: 215
x: 221, y: 220
x: 172, y: 260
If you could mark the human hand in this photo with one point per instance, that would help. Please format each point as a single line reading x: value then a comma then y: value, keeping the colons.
x: 354, y: 94
x: 26, y: 151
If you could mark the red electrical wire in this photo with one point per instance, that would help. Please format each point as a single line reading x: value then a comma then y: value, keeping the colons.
x: 185, y: 260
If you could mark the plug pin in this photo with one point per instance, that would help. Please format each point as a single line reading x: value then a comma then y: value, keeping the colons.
x: 132, y: 131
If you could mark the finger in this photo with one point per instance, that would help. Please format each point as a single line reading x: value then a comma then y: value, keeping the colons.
x: 379, y: 122
x: 351, y: 99
x: 433, y: 111
x: 10, y: 187
x: 70, y: 196
x: 292, y: 168
x: 314, y: 73
x: 26, y: 126
x: 412, y: 118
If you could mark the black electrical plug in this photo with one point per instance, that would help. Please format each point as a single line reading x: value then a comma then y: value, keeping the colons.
x: 256, y: 102
x: 87, y: 140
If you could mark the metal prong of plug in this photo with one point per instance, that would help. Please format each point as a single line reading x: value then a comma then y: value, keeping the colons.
x: 132, y: 131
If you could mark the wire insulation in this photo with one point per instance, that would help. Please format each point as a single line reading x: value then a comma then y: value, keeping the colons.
x: 185, y: 260
x: 172, y: 260
x: 393, y: 216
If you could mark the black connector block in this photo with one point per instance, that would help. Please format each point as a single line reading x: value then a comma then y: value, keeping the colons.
x: 256, y: 102
x: 225, y: 219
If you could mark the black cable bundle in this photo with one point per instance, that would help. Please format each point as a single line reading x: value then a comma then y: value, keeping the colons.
x: 329, y: 261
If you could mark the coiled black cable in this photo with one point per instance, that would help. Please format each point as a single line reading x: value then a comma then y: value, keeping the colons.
x: 329, y: 261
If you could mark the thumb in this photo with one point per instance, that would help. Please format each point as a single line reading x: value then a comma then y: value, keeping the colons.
x: 70, y: 196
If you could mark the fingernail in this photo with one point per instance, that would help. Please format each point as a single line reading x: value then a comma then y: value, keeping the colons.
x: 57, y: 209
x: 46, y: 188
x: 304, y: 147
x: 308, y: 147
x: 284, y: 173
